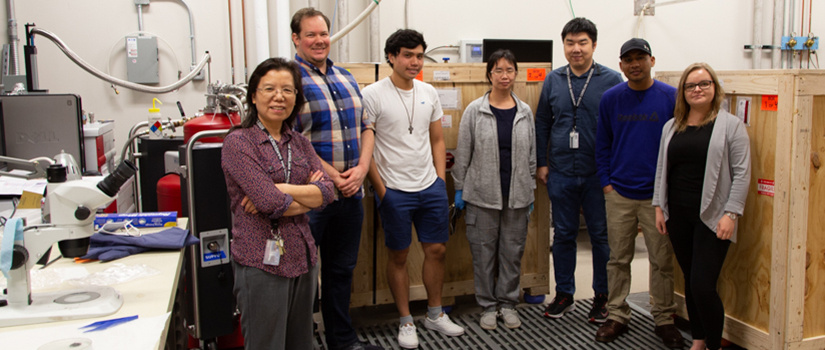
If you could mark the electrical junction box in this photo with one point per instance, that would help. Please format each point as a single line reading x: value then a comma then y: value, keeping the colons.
x: 470, y: 51
x: 142, y: 59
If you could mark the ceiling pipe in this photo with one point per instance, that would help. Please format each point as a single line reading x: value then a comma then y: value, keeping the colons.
x: 778, y: 25
x: 284, y: 35
x: 375, y: 38
x: 757, y: 34
x: 13, y: 39
x: 260, y: 25
x: 791, y: 15
x: 343, y: 43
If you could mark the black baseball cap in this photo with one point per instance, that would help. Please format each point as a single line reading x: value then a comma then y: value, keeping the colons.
x: 635, y: 44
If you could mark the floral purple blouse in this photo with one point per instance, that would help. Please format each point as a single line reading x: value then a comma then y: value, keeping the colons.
x: 252, y: 168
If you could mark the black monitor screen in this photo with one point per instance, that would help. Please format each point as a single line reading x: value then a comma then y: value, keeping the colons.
x: 524, y: 50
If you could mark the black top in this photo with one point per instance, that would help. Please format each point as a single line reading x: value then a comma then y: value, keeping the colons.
x: 687, y: 155
x: 504, y: 124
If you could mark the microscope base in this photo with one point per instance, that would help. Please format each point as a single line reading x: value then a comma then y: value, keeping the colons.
x: 63, y: 306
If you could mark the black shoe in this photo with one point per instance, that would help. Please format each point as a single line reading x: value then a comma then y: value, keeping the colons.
x: 562, y: 303
x: 359, y: 345
x: 598, y: 314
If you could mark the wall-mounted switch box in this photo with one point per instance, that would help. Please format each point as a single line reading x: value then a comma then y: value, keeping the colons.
x: 142, y: 59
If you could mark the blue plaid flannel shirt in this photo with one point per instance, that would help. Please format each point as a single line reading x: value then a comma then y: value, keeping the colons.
x: 333, y: 117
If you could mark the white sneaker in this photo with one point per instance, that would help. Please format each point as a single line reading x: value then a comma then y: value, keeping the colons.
x: 488, y: 320
x: 407, y: 336
x: 511, y: 319
x: 444, y: 325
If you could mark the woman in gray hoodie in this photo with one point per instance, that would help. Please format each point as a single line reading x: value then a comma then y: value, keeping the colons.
x: 495, y: 176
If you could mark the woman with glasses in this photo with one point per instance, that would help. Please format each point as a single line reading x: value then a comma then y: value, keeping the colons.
x: 495, y: 175
x: 702, y: 179
x: 273, y: 177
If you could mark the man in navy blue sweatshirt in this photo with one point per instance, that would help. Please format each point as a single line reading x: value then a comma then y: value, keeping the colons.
x: 565, y: 152
x: 631, y: 117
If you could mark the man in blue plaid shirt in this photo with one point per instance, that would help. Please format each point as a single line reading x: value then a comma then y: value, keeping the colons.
x: 333, y: 119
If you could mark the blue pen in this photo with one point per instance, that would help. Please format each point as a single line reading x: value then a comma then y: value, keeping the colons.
x: 101, y: 325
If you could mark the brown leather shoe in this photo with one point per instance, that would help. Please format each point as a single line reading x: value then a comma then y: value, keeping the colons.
x: 610, y: 330
x: 670, y: 336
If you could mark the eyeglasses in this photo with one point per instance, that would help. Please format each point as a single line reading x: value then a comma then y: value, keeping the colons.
x: 499, y: 71
x: 120, y: 228
x: 704, y: 85
x: 270, y: 91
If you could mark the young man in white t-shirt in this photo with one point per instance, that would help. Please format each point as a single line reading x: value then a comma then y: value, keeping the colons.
x: 408, y: 175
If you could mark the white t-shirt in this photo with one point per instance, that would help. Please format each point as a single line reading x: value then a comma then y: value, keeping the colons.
x: 404, y: 160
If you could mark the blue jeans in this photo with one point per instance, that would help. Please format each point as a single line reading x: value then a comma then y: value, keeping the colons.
x: 337, y: 229
x: 567, y: 195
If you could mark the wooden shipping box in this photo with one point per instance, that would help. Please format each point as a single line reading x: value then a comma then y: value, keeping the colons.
x: 773, y: 281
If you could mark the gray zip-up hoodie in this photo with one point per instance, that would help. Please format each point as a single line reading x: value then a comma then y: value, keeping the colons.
x: 476, y: 169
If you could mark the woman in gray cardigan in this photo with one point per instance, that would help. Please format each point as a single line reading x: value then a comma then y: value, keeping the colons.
x: 702, y: 180
x: 495, y: 174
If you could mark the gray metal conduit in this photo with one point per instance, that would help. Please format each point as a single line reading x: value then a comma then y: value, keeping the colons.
x: 108, y: 78
x: 191, y: 30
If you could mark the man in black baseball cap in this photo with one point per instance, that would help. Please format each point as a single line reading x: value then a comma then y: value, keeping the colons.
x: 631, y: 116
x: 635, y: 44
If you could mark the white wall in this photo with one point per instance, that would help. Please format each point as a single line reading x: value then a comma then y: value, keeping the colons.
x: 714, y: 31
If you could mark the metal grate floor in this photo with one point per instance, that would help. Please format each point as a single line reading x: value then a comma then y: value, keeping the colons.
x: 536, y: 332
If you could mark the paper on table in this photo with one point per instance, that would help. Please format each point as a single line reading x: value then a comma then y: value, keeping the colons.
x: 13, y: 186
x: 140, y: 334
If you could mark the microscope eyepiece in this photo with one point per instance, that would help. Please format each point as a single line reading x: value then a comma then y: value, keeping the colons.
x: 111, y: 184
x: 56, y: 173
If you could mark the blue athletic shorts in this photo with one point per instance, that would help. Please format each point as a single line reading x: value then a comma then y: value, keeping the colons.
x: 428, y: 210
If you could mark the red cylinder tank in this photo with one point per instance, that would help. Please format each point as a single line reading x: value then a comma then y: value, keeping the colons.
x: 169, y: 194
x: 210, y: 121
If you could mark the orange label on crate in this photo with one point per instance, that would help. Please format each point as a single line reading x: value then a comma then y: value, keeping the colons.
x: 536, y: 74
x: 765, y: 187
x: 420, y: 75
x: 769, y: 102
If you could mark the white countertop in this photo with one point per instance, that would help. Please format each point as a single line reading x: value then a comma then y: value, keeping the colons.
x: 151, y: 298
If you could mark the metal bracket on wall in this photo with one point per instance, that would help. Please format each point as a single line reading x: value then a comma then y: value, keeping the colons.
x: 640, y: 4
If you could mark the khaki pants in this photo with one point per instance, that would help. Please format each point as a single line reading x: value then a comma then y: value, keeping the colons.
x: 624, y: 215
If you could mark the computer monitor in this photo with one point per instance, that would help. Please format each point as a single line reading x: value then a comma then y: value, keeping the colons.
x: 41, y: 126
x: 525, y: 50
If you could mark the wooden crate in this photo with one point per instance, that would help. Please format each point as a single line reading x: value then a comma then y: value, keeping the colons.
x: 773, y: 281
x: 369, y: 283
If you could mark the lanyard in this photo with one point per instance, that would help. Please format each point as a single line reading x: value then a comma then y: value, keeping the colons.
x: 288, y: 165
x: 578, y: 101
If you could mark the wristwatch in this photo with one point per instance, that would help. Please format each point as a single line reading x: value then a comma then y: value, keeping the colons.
x: 732, y: 216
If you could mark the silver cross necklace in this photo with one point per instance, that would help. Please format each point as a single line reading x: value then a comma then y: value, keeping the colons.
x: 409, y: 115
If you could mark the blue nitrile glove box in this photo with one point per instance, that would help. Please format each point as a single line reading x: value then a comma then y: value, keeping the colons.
x: 148, y: 219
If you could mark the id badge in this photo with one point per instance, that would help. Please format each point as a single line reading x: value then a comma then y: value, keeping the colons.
x: 574, y: 139
x: 272, y: 254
